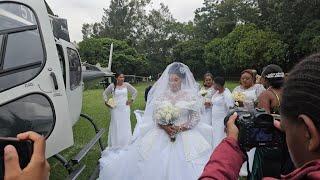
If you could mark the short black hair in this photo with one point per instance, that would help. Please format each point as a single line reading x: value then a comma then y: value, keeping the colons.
x: 301, y: 93
x: 275, y: 82
x: 219, y: 80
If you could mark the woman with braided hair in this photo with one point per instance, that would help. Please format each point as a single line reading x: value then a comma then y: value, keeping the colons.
x: 300, y: 120
x: 271, y: 162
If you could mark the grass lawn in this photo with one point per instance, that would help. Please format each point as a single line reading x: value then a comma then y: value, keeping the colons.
x: 93, y: 105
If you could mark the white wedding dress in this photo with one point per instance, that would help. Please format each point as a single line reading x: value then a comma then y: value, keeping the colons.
x: 221, y: 104
x: 120, y: 126
x: 152, y: 156
x: 207, y: 111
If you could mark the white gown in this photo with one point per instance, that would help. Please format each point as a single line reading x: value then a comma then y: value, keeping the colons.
x: 153, y: 156
x: 221, y: 104
x: 207, y: 111
x: 120, y: 126
x: 251, y: 95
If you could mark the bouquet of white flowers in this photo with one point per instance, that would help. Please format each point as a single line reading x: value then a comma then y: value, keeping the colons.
x: 203, y: 92
x: 239, y: 98
x: 166, y: 115
x: 111, y: 103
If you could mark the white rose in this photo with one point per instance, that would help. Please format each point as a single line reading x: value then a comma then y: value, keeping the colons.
x: 157, y: 116
x: 168, y: 117
x: 176, y: 114
x: 163, y: 114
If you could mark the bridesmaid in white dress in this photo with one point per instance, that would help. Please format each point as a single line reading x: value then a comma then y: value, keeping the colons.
x: 207, y: 91
x: 248, y: 87
x: 120, y: 134
x: 222, y: 101
x: 251, y: 91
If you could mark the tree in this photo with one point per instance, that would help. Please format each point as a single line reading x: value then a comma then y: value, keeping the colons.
x: 288, y: 18
x: 125, y: 58
x: 246, y: 47
x: 160, y: 37
x: 191, y: 53
x: 86, y: 30
x: 219, y: 18
x: 309, y: 39
x: 123, y: 20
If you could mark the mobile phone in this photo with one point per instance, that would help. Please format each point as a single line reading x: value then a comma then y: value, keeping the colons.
x: 24, y: 149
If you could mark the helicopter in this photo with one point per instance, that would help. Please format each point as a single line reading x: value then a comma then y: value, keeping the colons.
x: 42, y: 79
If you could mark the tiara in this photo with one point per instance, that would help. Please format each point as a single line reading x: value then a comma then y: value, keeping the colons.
x: 275, y: 75
x: 182, y: 70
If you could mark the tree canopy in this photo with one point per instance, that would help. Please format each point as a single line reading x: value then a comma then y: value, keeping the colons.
x: 125, y: 58
x: 224, y: 37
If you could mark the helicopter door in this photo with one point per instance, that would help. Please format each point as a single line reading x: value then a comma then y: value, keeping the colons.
x: 74, y: 83
x: 32, y: 92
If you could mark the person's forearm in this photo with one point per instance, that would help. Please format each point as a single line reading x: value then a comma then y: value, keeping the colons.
x: 225, y: 162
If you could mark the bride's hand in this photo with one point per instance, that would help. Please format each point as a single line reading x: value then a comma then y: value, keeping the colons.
x: 129, y: 102
x: 207, y: 104
x: 170, y: 130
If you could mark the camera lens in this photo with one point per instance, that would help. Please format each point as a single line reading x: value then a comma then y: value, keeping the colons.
x: 246, y: 116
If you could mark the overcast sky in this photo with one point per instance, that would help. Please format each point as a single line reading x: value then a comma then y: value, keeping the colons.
x: 78, y: 12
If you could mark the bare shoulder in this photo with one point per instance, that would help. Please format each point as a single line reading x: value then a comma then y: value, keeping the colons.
x: 265, y: 94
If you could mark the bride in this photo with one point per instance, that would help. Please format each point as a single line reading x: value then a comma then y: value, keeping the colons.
x: 161, y: 150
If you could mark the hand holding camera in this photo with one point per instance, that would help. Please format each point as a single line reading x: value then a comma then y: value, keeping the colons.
x: 253, y: 129
x: 37, y: 169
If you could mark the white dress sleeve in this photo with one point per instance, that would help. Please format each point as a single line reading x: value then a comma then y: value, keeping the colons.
x: 132, y: 90
x: 194, y: 112
x: 227, y: 96
x: 107, y: 92
x: 194, y: 118
x: 237, y: 89
x: 259, y: 89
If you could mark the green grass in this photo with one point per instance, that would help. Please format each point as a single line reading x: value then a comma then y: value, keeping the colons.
x: 93, y: 105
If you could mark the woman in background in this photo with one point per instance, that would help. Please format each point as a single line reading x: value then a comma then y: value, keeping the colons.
x: 120, y: 126
x: 222, y: 101
x: 207, y: 92
x: 251, y: 92
x: 271, y: 162
x: 248, y: 87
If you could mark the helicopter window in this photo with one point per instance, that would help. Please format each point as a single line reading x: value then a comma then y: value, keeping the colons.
x: 1, y: 48
x: 62, y: 62
x: 74, y: 68
x: 30, y: 113
x: 14, y: 15
x: 18, y: 48
x: 22, y: 54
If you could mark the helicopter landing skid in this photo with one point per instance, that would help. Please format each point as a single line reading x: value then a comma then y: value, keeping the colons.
x: 73, y: 165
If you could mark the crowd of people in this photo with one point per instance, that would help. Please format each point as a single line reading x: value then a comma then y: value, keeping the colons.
x: 200, y: 123
x: 298, y: 103
x: 181, y: 134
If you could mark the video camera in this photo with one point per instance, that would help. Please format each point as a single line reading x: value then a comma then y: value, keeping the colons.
x: 256, y: 129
